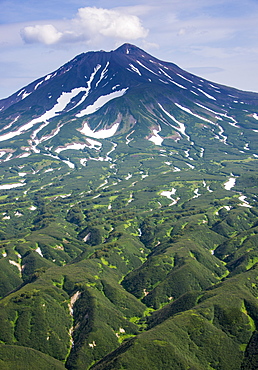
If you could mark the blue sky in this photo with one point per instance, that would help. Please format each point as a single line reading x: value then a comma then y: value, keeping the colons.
x: 215, y: 39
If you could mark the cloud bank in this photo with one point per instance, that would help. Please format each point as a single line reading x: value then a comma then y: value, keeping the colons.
x: 89, y: 23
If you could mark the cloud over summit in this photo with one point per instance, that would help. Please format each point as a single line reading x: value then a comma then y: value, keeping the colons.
x: 89, y: 23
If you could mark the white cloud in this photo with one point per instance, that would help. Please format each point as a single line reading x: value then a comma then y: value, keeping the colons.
x: 46, y: 34
x: 111, y: 23
x: 89, y: 23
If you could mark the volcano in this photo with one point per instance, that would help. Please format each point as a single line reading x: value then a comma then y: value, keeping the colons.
x: 128, y: 213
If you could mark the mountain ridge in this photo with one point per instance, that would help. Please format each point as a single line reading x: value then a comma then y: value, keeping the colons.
x: 83, y: 87
x: 125, y: 49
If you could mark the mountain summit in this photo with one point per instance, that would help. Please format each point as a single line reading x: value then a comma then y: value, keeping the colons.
x: 128, y: 219
x: 96, y: 94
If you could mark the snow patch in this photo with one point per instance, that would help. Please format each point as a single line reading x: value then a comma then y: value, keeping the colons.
x: 184, y: 78
x: 63, y: 100
x: 25, y: 94
x: 103, y: 74
x: 167, y: 194
x: 164, y: 82
x: 74, y: 146
x: 176, y: 169
x: 155, y: 138
x: 209, y: 190
x: 195, y: 93
x: 38, y: 84
x: 206, y: 94
x: 127, y: 137
x: 2, y: 153
x: 177, y: 84
x: 83, y: 161
x: 135, y: 69
x: 130, y: 199
x: 11, y: 123
x: 49, y: 170
x: 142, y: 65
x: 196, y: 193
x: 181, y: 127
x: 69, y: 164
x: 114, y: 87
x: 171, y: 79
x: 244, y: 202
x: 11, y: 186
x: 230, y: 183
x: 111, y: 150
x: 101, y: 101
x: 48, y: 77
x: 190, y: 165
x: 18, y: 214
x: 38, y: 250
x: 100, y: 134
x: 187, y: 110
x: 16, y: 264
